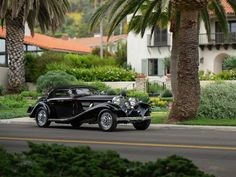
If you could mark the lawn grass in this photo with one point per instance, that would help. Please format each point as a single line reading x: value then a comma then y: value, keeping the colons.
x: 204, y: 121
x: 13, y: 113
x: 14, y: 106
x: 161, y: 118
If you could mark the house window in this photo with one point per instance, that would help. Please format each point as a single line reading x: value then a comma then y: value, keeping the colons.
x: 220, y: 38
x: 2, y: 52
x: 153, y: 67
x: 158, y: 39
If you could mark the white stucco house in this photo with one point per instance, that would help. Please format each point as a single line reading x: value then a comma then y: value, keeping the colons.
x: 146, y: 54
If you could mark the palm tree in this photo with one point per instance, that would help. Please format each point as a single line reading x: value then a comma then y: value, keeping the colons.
x: 48, y: 14
x: 187, y: 94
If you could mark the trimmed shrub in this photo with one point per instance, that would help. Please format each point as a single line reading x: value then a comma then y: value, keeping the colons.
x: 154, y: 89
x: 53, y: 79
x: 229, y: 63
x: 166, y: 93
x: 104, y: 73
x: 218, y: 101
x: 44, y: 160
x: 226, y: 75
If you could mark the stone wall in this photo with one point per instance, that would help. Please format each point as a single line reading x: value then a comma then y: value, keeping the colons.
x: 121, y: 85
x: 141, y: 84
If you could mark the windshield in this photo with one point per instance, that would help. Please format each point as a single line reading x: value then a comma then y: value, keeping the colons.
x: 85, y: 91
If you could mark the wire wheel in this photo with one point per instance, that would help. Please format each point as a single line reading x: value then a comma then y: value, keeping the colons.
x: 107, y: 120
x: 42, y: 118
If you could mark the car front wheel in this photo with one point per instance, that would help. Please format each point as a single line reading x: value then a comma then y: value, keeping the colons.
x: 142, y: 125
x: 107, y: 120
x: 42, y: 118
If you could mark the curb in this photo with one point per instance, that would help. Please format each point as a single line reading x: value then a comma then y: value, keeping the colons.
x: 27, y: 120
x: 24, y: 120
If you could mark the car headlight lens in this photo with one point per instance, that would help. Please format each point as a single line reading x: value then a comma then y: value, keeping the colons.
x: 116, y: 100
x: 133, y: 101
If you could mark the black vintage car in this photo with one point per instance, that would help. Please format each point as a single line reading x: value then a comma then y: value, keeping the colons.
x: 76, y: 105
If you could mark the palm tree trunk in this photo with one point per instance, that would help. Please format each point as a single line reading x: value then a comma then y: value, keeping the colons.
x: 174, y: 59
x: 187, y: 99
x: 15, y: 49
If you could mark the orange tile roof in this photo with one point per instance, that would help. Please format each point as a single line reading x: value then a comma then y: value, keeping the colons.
x: 95, y: 41
x: 227, y: 7
x: 51, y: 43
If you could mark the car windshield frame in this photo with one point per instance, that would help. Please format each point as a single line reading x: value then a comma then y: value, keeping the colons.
x: 84, y: 91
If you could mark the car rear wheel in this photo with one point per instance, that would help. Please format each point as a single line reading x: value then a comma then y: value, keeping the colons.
x: 42, y: 118
x: 107, y: 120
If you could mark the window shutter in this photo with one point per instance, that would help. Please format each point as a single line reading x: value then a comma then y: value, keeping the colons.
x: 161, y: 67
x: 145, y: 66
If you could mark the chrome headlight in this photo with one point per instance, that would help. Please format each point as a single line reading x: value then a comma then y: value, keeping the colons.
x: 133, y: 101
x: 116, y: 100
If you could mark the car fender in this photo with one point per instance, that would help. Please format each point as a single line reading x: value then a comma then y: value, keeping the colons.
x: 37, y: 106
x: 98, y: 108
x: 144, y: 108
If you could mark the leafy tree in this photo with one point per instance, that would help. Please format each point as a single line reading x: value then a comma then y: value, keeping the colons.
x: 184, y: 18
x: 49, y: 14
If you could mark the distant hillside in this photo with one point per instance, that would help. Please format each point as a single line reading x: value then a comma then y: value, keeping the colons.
x: 77, y: 20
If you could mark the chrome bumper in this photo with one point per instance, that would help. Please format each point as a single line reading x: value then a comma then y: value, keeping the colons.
x: 131, y: 119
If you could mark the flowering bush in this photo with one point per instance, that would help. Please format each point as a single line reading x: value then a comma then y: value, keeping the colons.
x: 157, y: 102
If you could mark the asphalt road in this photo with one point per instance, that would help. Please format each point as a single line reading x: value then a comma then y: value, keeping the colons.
x: 214, y: 151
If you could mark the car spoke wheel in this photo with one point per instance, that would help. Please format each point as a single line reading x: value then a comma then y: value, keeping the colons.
x: 107, y: 120
x: 42, y: 118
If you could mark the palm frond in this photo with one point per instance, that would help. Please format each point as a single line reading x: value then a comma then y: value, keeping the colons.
x: 204, y: 13
x: 221, y: 15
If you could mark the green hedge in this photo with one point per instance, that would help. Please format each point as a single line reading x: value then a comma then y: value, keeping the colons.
x: 35, y: 65
x: 218, y: 101
x: 103, y: 73
x: 97, y: 84
x: 57, y: 160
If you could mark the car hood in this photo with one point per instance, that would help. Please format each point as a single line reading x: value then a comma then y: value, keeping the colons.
x: 96, y: 98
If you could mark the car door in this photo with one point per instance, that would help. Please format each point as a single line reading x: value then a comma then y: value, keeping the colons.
x: 62, y: 103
